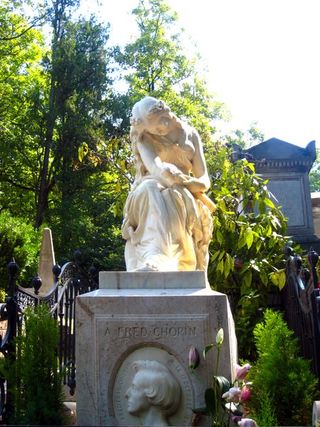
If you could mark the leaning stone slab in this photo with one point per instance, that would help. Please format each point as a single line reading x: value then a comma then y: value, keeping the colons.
x: 127, y: 334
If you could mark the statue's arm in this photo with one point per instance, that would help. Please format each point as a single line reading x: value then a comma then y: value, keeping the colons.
x: 199, y: 181
x: 167, y: 173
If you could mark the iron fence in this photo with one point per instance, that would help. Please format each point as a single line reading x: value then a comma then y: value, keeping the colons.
x: 70, y: 281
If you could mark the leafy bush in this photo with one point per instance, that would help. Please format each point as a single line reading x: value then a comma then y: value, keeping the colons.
x: 281, y: 380
x: 246, y: 252
x: 35, y: 381
x: 20, y: 241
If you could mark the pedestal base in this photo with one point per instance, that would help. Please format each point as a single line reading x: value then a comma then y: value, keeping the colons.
x: 117, y: 327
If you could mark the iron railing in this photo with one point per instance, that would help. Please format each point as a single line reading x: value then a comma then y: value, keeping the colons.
x: 71, y: 280
x: 301, y: 305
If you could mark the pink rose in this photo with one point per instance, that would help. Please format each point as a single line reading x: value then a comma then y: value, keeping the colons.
x: 247, y: 422
x: 245, y: 394
x: 242, y: 371
x: 232, y: 395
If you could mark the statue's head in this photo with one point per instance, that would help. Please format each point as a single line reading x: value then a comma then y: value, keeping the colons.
x: 152, y: 115
x: 153, y: 385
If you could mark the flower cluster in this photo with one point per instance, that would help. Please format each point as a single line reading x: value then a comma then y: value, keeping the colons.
x: 237, y: 395
x: 232, y: 396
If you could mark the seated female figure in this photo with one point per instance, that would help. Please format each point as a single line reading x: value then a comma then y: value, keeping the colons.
x: 167, y: 223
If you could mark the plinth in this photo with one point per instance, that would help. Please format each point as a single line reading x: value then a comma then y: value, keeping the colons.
x: 153, y: 318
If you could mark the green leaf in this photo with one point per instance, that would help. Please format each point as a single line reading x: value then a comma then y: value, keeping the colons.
x: 264, y: 277
x: 222, y: 384
x: 269, y: 203
x: 278, y: 278
x: 247, y: 279
x: 215, y: 255
x: 83, y: 151
x: 249, y: 237
x: 207, y: 349
x: 219, y: 237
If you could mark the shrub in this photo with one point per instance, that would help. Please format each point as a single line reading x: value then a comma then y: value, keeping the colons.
x: 279, y: 376
x: 36, y: 383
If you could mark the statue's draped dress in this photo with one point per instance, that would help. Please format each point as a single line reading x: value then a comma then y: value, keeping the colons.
x: 166, y: 228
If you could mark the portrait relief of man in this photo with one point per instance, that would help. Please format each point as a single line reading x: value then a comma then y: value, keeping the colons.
x: 154, y: 394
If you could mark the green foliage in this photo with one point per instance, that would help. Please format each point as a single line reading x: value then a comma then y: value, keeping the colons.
x: 246, y: 252
x: 280, y: 375
x: 20, y: 241
x: 21, y: 51
x: 35, y: 380
x: 87, y: 221
x: 314, y: 175
x: 264, y: 413
x: 244, y: 139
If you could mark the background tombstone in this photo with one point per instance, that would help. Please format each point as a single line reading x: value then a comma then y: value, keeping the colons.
x: 287, y: 167
x: 46, y: 262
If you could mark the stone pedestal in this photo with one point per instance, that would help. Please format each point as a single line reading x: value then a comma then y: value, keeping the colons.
x: 316, y: 413
x: 147, y: 316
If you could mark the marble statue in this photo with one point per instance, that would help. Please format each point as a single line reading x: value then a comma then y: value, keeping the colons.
x: 154, y: 394
x: 167, y: 220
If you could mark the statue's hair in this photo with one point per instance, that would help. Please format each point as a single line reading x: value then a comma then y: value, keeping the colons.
x: 141, y: 111
x: 159, y: 384
x: 146, y: 107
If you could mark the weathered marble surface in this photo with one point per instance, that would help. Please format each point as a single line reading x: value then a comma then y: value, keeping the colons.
x: 167, y: 219
x: 117, y: 327
x: 154, y: 394
x: 152, y: 280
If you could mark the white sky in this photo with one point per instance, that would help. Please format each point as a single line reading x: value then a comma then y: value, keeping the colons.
x: 262, y: 57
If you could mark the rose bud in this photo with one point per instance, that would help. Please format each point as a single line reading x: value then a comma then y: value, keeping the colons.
x: 245, y: 394
x: 220, y: 337
x: 194, y: 358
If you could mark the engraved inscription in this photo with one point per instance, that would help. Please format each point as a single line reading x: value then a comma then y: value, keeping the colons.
x: 156, y: 331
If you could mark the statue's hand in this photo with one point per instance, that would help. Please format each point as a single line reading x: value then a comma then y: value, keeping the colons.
x: 172, y: 175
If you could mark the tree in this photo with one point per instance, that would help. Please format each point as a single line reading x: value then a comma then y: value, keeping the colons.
x: 156, y: 65
x: 21, y: 49
x: 280, y: 376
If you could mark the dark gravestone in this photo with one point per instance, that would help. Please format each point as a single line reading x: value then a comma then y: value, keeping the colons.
x: 287, y: 167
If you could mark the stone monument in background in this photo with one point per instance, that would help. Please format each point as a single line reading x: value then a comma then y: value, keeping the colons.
x: 287, y: 167
x: 134, y: 334
x: 46, y: 263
